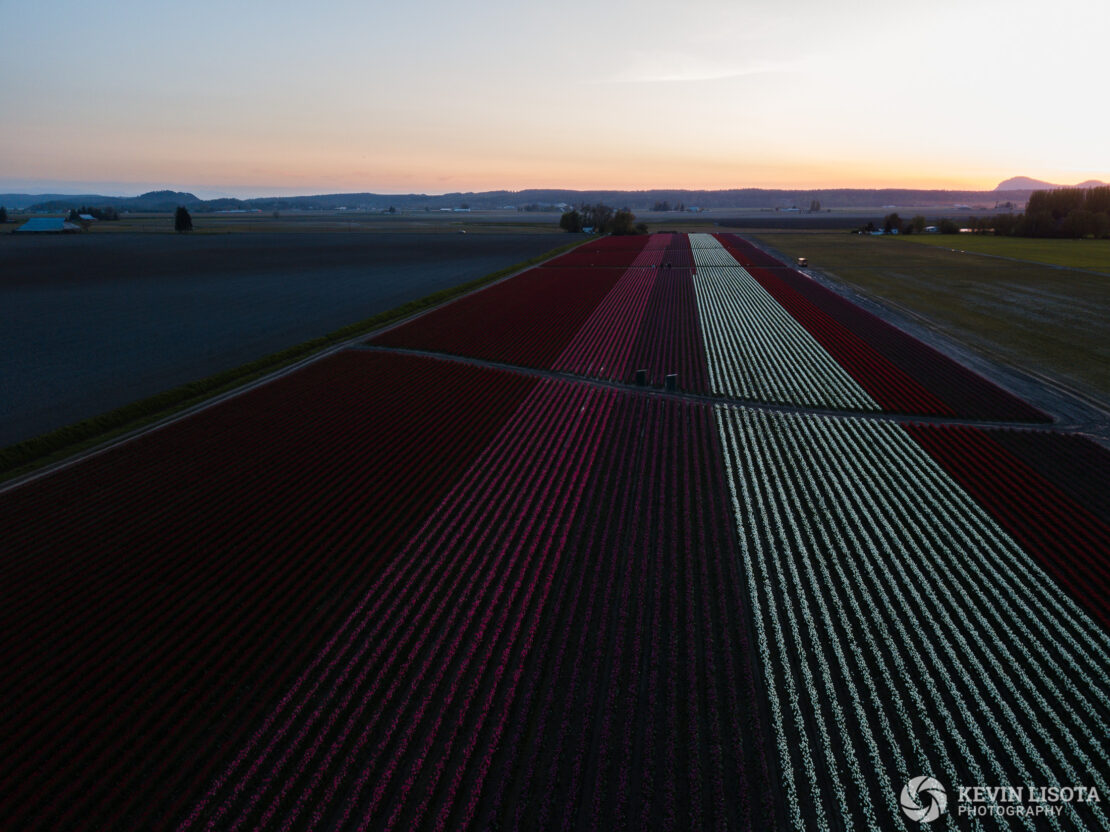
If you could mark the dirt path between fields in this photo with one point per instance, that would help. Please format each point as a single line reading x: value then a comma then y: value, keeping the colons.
x: 712, y: 398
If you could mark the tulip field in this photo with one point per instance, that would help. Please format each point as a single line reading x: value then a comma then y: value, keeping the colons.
x: 480, y: 572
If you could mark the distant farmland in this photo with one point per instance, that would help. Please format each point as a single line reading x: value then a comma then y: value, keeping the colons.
x: 92, y: 323
x: 661, y: 534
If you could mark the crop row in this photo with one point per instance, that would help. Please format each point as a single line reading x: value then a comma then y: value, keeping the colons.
x: 528, y: 320
x: 888, y: 384
x: 901, y: 631
x: 1069, y: 539
x: 649, y: 321
x: 940, y: 385
x: 756, y: 350
x: 561, y: 645
x: 618, y: 252
x: 602, y: 347
x: 746, y: 254
x: 669, y: 340
x: 1074, y: 464
x: 157, y: 600
x: 763, y: 334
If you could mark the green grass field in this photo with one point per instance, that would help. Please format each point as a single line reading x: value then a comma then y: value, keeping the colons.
x: 1045, y: 319
x: 1073, y: 254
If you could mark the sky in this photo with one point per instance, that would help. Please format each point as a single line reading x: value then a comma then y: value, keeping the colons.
x: 268, y: 97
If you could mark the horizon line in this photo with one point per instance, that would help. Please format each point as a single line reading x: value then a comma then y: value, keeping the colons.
x: 92, y: 190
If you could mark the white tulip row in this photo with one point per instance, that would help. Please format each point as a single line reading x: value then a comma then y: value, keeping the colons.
x: 703, y: 241
x: 861, y: 553
x: 712, y: 253
x: 755, y: 349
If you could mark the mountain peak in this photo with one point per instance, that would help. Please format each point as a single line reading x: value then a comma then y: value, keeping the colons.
x: 1024, y: 183
x: 179, y: 195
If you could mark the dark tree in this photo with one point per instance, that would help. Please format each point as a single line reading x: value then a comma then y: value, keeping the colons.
x: 3, y: 214
x: 1102, y: 226
x: 1037, y: 224
x: 181, y: 219
x: 1005, y: 224
x: 571, y: 221
x: 892, y: 223
x: 624, y: 222
x: 1098, y: 200
x: 1078, y: 223
x: 597, y: 216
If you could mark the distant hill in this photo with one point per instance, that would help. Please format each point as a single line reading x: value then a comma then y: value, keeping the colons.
x: 1024, y: 183
x: 534, y: 199
x: 157, y: 201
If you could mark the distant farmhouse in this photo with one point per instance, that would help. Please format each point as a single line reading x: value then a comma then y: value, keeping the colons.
x: 47, y: 225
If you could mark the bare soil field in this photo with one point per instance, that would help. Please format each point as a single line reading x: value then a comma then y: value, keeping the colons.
x: 92, y: 322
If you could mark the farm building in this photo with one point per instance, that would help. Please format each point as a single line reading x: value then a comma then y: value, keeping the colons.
x: 47, y: 225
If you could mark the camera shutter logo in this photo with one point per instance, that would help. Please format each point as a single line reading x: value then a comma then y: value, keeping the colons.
x: 924, y: 799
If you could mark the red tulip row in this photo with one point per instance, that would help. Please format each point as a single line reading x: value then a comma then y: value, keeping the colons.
x: 1068, y: 536
x: 618, y: 252
x: 561, y: 644
x: 602, y: 347
x: 746, y: 253
x: 409, y: 685
x: 897, y: 369
x: 892, y: 388
x: 1074, y: 464
x: 670, y: 337
x: 648, y: 321
x: 640, y: 712
x: 528, y: 320
x: 156, y: 599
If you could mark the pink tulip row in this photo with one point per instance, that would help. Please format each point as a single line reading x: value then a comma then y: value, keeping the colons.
x: 602, y: 347
x: 648, y: 321
x: 562, y: 629
x: 406, y: 651
x: 624, y: 732
x: 670, y: 337
x: 432, y: 655
x: 605, y: 310
x: 208, y: 579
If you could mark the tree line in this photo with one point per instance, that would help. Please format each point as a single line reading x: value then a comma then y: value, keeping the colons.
x: 109, y: 213
x: 602, y: 219
x: 1072, y: 213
